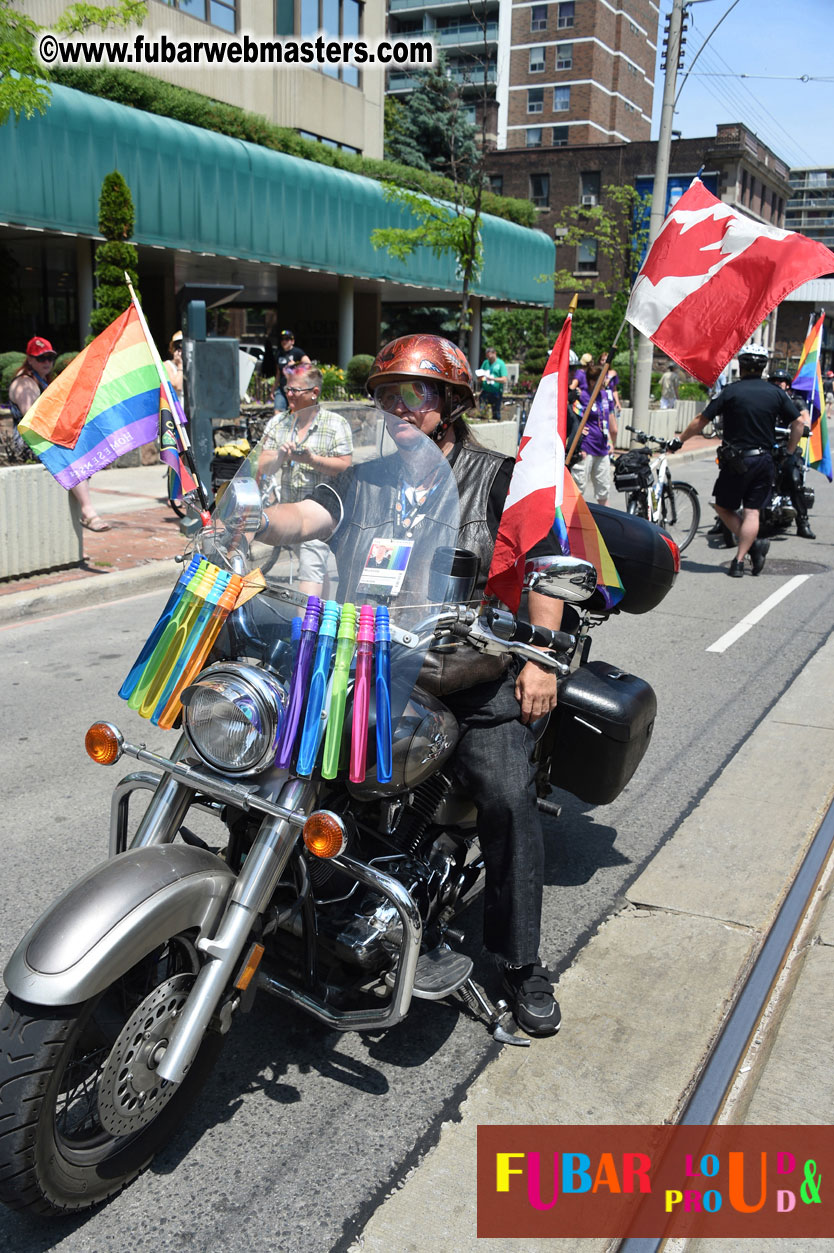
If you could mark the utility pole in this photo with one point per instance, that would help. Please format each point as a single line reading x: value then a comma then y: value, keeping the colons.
x: 642, y: 381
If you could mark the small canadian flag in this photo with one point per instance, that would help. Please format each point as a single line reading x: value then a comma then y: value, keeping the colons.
x: 712, y: 275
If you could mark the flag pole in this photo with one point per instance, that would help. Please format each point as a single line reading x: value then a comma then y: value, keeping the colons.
x: 166, y: 387
x: 594, y: 394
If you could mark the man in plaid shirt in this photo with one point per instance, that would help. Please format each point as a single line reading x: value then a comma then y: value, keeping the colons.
x: 304, y: 447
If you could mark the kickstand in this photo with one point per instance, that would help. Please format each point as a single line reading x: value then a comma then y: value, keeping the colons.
x: 495, y: 1014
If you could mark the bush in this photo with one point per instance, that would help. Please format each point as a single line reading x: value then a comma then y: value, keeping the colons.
x: 332, y: 382
x: 692, y: 391
x: 64, y: 360
x: 10, y: 363
x: 357, y: 372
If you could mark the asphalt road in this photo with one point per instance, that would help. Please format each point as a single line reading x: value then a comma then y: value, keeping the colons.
x: 301, y: 1131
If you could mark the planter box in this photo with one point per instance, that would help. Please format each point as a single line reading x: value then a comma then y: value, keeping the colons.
x: 40, y: 526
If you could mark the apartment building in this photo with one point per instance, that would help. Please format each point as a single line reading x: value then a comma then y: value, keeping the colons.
x: 558, y: 73
x: 810, y: 210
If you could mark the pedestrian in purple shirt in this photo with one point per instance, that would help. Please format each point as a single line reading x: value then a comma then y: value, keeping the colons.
x: 598, y: 439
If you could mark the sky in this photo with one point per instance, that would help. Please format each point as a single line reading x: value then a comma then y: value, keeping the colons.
x: 779, y: 40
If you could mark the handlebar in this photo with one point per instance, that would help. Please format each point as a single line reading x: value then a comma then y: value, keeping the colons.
x: 643, y: 438
x: 511, y: 629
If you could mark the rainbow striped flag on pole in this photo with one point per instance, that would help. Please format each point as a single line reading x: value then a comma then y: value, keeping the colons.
x: 808, y: 382
x: 105, y: 403
x: 579, y: 536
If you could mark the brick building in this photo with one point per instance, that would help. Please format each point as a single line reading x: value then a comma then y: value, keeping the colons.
x: 734, y: 164
x: 558, y: 73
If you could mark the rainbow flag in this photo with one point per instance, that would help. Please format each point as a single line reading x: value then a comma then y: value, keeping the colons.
x: 170, y: 447
x: 105, y: 403
x: 808, y: 382
x: 579, y: 536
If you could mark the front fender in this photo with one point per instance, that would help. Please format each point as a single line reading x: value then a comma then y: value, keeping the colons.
x: 107, y: 921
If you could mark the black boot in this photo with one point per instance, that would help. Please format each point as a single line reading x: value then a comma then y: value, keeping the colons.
x: 803, y: 529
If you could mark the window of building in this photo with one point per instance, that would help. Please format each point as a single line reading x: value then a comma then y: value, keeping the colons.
x: 533, y: 136
x: 564, y: 56
x: 540, y: 190
x: 536, y: 64
x: 560, y: 136
x: 496, y: 184
x: 744, y: 187
x: 586, y: 256
x: 816, y: 178
x: 284, y: 17
x: 565, y: 14
x: 338, y: 19
x: 220, y: 13
x: 561, y: 99
x: 538, y: 17
x: 635, y: 30
x: 589, y: 185
x: 535, y: 99
x: 632, y: 68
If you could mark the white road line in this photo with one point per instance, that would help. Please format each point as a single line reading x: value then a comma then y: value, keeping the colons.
x: 741, y: 628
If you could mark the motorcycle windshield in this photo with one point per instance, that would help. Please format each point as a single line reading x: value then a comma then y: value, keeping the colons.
x: 378, y: 537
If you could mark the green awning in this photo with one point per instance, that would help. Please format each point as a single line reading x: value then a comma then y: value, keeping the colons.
x: 208, y: 193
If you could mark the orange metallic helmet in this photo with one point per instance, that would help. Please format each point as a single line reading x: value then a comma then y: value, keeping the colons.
x: 425, y: 357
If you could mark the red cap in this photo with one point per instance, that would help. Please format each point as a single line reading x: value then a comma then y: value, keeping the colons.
x: 38, y: 345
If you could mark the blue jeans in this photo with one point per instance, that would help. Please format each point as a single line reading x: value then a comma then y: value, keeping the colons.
x: 493, y: 761
x: 280, y: 401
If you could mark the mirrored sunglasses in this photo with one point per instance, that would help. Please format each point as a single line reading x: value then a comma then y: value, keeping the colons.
x: 417, y: 396
x: 46, y: 356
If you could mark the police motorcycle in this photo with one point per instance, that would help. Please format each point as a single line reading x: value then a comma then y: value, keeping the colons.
x: 341, y: 857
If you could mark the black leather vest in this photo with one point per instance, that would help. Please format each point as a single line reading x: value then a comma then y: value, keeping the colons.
x: 475, y: 469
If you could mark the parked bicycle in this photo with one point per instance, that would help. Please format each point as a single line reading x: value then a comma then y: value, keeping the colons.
x: 644, y: 474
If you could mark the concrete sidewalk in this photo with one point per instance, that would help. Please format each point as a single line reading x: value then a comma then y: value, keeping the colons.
x: 646, y: 998
x: 135, y: 556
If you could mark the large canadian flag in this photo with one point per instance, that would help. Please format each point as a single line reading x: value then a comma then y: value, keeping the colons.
x: 537, y: 480
x: 712, y: 275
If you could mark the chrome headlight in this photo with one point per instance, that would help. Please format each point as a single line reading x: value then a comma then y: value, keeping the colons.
x: 232, y: 717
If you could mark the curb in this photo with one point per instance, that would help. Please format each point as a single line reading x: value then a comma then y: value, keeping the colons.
x: 647, y: 997
x: 81, y: 593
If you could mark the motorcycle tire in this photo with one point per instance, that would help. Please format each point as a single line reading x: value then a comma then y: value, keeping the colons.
x: 681, y: 515
x: 60, y: 1066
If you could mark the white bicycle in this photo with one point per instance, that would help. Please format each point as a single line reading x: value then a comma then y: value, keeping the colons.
x: 644, y: 474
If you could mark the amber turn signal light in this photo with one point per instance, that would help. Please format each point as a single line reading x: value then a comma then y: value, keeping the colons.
x: 103, y: 743
x: 324, y: 834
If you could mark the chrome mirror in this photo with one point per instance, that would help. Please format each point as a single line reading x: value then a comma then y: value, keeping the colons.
x: 570, y: 579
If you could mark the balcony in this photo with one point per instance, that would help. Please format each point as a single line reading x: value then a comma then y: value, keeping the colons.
x: 402, y: 80
x: 430, y: 6
x: 804, y: 184
x: 795, y: 204
x: 460, y: 36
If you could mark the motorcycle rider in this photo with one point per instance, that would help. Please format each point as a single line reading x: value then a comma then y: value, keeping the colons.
x: 423, y: 383
x: 790, y: 470
x: 751, y: 409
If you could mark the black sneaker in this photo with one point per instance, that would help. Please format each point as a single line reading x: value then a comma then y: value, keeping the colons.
x: 803, y: 529
x: 736, y: 570
x: 758, y: 552
x: 530, y: 993
x: 717, y: 528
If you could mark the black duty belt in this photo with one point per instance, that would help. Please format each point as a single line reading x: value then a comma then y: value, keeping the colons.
x: 753, y: 452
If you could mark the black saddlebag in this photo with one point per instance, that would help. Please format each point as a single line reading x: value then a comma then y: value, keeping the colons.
x: 646, y: 562
x: 599, y: 731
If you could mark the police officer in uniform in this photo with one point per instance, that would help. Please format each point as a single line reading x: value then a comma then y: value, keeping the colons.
x: 790, y: 470
x: 751, y: 410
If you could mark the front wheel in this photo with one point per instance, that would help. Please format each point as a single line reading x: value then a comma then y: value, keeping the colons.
x: 680, y: 513
x: 82, y: 1110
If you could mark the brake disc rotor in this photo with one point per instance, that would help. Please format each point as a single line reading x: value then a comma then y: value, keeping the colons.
x: 130, y: 1092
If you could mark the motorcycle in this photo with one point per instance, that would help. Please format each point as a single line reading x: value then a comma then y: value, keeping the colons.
x: 345, y: 850
x: 789, y: 486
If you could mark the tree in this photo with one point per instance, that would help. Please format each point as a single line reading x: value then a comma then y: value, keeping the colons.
x: 23, y: 78
x: 617, y: 227
x: 429, y: 129
x: 116, y: 255
x: 448, y: 226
